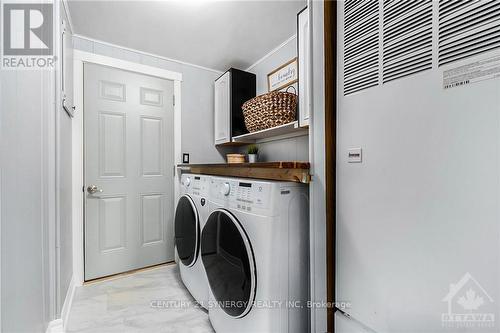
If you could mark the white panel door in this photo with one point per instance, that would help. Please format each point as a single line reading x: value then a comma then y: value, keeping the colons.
x: 128, y: 167
x: 222, y: 109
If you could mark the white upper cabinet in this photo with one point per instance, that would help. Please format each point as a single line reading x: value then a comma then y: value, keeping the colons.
x: 303, y: 45
x: 222, y: 109
x: 232, y: 89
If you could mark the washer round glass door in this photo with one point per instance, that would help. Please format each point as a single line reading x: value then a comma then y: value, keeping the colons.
x: 228, y: 259
x: 187, y: 230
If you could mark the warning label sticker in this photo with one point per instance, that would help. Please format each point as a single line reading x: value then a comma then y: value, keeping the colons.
x: 481, y: 70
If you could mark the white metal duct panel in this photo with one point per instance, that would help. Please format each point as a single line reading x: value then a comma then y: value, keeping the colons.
x: 407, y: 38
x: 361, y: 45
x: 467, y: 27
x: 443, y: 125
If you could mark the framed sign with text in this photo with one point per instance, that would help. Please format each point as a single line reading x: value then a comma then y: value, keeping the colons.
x: 283, y: 76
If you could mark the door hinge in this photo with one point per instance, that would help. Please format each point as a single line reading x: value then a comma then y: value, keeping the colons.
x: 173, y: 100
x: 174, y: 169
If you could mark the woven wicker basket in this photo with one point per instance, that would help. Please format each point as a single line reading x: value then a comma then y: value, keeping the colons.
x: 270, y: 110
x: 235, y: 158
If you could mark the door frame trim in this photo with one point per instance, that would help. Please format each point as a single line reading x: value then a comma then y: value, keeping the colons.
x: 330, y: 40
x: 79, y: 58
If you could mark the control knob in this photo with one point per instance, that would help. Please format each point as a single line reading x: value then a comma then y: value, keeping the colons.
x: 226, y: 189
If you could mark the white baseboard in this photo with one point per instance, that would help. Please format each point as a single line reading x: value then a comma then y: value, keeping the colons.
x: 55, y: 326
x: 68, y: 301
x: 59, y: 325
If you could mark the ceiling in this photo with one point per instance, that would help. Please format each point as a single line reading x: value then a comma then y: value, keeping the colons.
x: 213, y: 34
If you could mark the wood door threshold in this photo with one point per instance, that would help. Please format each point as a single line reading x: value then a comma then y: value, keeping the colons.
x: 127, y: 273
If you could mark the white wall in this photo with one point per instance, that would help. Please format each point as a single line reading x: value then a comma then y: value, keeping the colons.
x: 197, y: 97
x: 35, y: 196
x: 272, y: 60
x: 197, y: 102
x: 64, y: 183
x: 27, y: 198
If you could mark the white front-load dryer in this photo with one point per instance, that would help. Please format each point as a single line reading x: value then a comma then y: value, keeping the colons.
x: 190, y: 217
x: 255, y: 250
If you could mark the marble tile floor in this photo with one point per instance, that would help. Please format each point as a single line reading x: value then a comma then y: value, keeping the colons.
x: 147, y: 301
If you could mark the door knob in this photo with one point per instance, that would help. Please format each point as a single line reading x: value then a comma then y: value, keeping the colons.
x: 93, y: 189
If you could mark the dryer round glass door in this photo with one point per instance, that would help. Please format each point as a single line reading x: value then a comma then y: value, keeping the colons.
x: 229, y: 262
x: 187, y: 230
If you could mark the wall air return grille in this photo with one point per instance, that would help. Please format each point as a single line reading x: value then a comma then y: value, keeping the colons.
x: 467, y: 27
x: 407, y: 37
x: 361, y: 45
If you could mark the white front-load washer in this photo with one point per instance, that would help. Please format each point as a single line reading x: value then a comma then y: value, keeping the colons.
x: 190, y: 216
x: 255, y: 251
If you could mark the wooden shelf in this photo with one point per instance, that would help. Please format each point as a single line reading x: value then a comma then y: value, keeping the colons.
x: 287, y: 130
x: 294, y: 171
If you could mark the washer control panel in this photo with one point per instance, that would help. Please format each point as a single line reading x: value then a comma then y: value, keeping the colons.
x: 240, y: 194
x: 197, y: 185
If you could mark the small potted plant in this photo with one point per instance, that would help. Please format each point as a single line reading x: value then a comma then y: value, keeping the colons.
x: 252, y: 153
